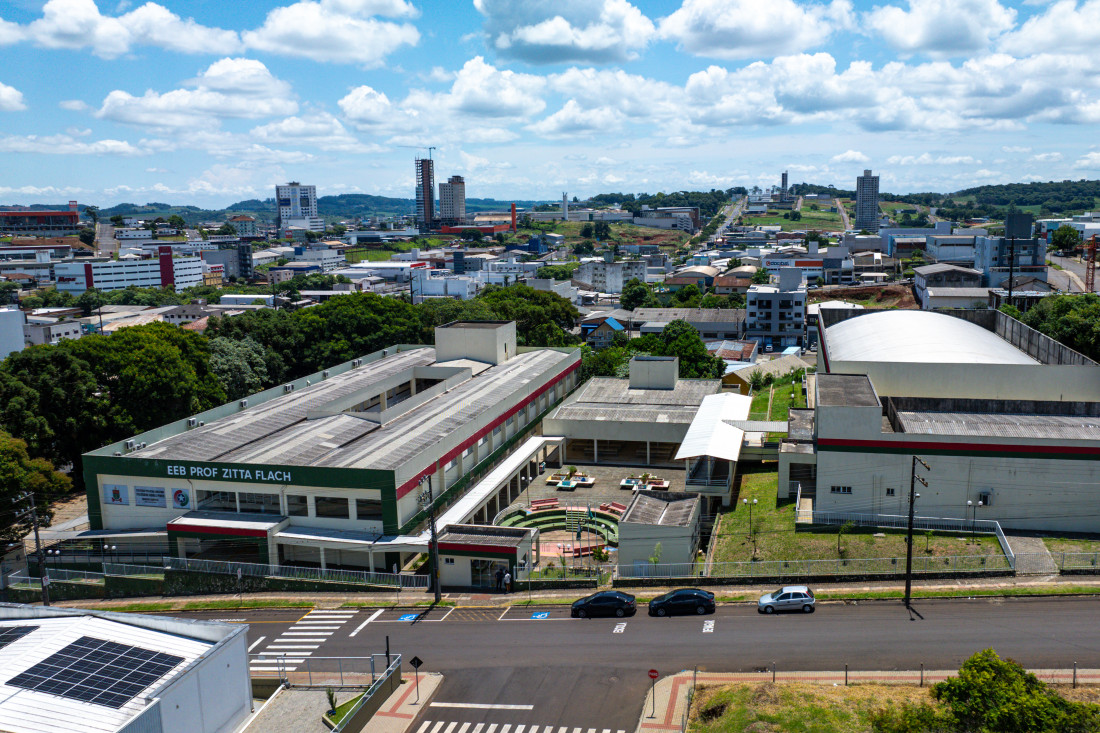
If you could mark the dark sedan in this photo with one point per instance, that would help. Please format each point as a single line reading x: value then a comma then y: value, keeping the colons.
x: 684, y: 600
x: 605, y: 603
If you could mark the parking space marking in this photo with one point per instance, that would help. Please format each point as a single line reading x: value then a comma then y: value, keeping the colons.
x: 708, y: 626
x: 619, y: 628
x: 373, y: 617
x: 541, y: 616
x: 409, y: 617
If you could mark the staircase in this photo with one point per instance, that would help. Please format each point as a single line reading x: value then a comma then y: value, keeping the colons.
x: 574, y: 520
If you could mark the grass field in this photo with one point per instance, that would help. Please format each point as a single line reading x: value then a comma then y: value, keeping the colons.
x: 809, y: 220
x: 621, y: 234
x: 773, y: 521
x: 1074, y: 544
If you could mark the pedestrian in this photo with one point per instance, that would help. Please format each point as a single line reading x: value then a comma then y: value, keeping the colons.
x: 500, y: 578
x: 507, y: 582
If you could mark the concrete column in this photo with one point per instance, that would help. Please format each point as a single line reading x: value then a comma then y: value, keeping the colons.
x: 370, y: 554
x: 322, y: 557
x: 272, y: 551
x: 647, y: 453
x: 595, y: 450
x: 439, y: 481
x: 412, y: 386
x: 384, y: 402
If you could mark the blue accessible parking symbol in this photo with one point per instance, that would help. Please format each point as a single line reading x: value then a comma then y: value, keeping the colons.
x: 409, y: 617
x: 541, y: 616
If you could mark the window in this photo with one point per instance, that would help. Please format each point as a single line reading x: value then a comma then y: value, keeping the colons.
x: 368, y: 509
x: 496, y: 430
x: 889, y: 492
x: 840, y: 489
x: 331, y: 506
x: 259, y: 503
x: 448, y: 561
x: 297, y: 506
x: 224, y: 501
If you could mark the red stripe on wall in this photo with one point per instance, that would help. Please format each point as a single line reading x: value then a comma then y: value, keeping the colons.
x: 167, y: 272
x: 412, y: 483
x: 217, y: 530
x: 89, y: 280
x: 974, y: 447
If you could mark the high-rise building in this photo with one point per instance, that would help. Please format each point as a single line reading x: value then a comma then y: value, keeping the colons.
x: 867, y: 216
x: 783, y: 188
x: 425, y: 193
x: 298, y: 206
x: 452, y: 200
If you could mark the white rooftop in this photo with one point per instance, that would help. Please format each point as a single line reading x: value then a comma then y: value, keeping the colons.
x: 918, y: 336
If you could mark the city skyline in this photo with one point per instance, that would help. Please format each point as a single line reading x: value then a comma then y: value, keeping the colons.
x: 206, y: 103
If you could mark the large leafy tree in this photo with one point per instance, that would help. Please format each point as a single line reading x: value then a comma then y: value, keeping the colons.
x: 20, y: 473
x: 1073, y: 320
x: 636, y: 295
x: 240, y: 366
x: 680, y: 339
x: 1064, y: 238
x: 532, y: 310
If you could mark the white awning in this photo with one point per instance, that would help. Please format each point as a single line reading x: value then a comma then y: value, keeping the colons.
x: 709, y: 434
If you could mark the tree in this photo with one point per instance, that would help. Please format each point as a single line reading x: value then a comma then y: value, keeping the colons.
x: 87, y: 236
x: 1072, y: 320
x: 583, y: 248
x: 681, y: 340
x: 586, y: 230
x: 1065, y: 238
x: 687, y: 297
x: 239, y: 365
x: 761, y: 276
x: 9, y: 292
x: 634, y: 294
x: 840, y: 532
x: 602, y: 230
x: 92, y: 212
x: 177, y: 222
x: 796, y: 216
x: 471, y: 235
x: 20, y: 473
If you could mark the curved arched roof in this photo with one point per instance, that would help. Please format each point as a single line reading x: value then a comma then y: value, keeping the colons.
x: 918, y: 337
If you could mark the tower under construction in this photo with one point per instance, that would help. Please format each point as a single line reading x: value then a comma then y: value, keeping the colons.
x: 425, y: 193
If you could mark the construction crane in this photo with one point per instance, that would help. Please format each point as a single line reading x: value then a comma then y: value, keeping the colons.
x: 1090, y: 266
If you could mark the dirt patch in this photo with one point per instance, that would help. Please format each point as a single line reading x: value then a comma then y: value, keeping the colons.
x: 874, y: 296
x: 765, y: 694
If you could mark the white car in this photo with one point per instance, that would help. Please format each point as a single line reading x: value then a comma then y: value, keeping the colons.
x: 787, y: 598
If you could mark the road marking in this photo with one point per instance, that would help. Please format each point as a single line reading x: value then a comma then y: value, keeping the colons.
x: 478, y: 727
x: 542, y: 615
x: 451, y: 727
x: 481, y: 706
x: 619, y: 628
x: 437, y: 727
x: 423, y: 726
x: 563, y: 730
x: 492, y: 728
x: 282, y: 647
x: 318, y: 625
x: 465, y: 727
x: 375, y: 615
x: 708, y: 626
x: 505, y: 728
x: 519, y: 729
x: 307, y: 633
x: 409, y: 617
x: 447, y: 614
x: 256, y: 643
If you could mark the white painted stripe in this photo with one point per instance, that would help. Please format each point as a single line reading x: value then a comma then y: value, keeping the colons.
x: 505, y: 728
x: 307, y: 633
x: 450, y: 727
x: 465, y: 727
x: 345, y: 614
x: 606, y: 730
x: 492, y: 728
x: 437, y: 727
x: 317, y: 624
x: 591, y: 730
x: 423, y: 726
x: 478, y: 727
x: 373, y: 617
x: 534, y: 729
x: 519, y: 729
x: 576, y: 730
x: 261, y: 668
x: 283, y: 647
x: 483, y: 706
x: 256, y: 643
x: 563, y: 729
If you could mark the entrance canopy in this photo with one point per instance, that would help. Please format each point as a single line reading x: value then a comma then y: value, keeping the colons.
x: 710, y: 435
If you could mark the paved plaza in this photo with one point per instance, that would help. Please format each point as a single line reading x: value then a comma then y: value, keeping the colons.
x: 605, y: 489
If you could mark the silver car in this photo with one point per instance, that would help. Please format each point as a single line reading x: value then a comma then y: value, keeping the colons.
x: 787, y: 598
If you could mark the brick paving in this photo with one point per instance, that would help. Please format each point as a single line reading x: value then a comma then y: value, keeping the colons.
x: 605, y: 489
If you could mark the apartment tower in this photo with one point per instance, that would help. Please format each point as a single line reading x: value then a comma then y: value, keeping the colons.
x: 867, y: 216
x: 425, y: 193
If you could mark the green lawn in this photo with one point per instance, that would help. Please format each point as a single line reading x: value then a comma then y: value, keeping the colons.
x: 759, y: 408
x: 1072, y: 544
x: 810, y: 220
x: 344, y: 708
x: 776, y: 538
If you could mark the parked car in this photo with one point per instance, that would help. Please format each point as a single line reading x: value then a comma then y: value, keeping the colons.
x: 787, y: 598
x: 683, y: 600
x: 605, y: 603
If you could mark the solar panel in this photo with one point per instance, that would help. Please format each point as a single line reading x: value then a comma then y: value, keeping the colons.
x: 97, y: 671
x: 8, y: 634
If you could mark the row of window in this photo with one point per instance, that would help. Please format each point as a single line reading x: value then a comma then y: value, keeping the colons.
x: 848, y: 490
x: 297, y: 505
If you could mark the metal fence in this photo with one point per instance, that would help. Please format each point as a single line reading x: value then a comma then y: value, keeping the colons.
x: 311, y: 671
x: 29, y: 576
x: 804, y: 568
x: 375, y: 687
x: 356, y: 577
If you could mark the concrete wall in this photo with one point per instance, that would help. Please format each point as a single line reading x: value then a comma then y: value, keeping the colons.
x: 637, y: 543
x: 648, y: 372
x: 11, y: 331
x: 492, y: 345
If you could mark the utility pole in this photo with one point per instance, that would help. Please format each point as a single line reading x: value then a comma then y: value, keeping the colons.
x: 433, y: 548
x: 913, y: 479
x: 33, y: 511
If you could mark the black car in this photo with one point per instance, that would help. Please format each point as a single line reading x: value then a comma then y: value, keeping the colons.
x: 684, y: 600
x: 605, y: 603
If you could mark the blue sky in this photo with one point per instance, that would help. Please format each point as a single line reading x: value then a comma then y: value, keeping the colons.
x: 209, y: 102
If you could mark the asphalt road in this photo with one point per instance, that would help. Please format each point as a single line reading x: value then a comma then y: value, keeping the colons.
x: 592, y: 673
x: 1069, y: 264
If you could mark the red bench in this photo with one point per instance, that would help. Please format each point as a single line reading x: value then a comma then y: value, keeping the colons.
x: 538, y: 504
x: 617, y: 507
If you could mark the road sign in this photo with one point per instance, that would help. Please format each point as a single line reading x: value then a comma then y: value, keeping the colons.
x: 409, y: 617
x: 416, y: 662
x: 541, y: 615
x: 652, y: 674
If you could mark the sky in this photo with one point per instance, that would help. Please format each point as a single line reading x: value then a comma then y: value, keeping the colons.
x: 207, y: 102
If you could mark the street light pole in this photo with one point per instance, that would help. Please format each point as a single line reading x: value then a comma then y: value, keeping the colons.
x: 433, y: 549
x: 750, y: 506
x: 914, y: 478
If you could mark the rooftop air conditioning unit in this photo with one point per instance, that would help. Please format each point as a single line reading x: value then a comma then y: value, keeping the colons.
x: 118, y: 453
x: 356, y: 362
x: 385, y: 352
x: 986, y: 498
x: 244, y: 403
x: 201, y: 423
x: 308, y: 383
x: 324, y: 374
x: 142, y: 446
x: 288, y: 388
x: 129, y: 445
x: 192, y: 422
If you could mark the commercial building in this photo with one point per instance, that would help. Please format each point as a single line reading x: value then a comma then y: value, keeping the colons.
x: 70, y: 669
x: 952, y: 249
x: 942, y: 275
x: 246, y: 225
x: 162, y: 272
x: 425, y: 193
x: 297, y: 207
x: 711, y: 323
x: 28, y: 222
x: 867, y: 213
x: 669, y: 519
x: 49, y: 334
x: 452, y: 201
x: 996, y: 257
x: 327, y: 469
x: 775, y: 315
x: 610, y: 277
x: 11, y: 330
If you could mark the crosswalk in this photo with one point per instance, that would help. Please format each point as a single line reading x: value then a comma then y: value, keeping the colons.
x: 300, y: 641
x: 443, y: 726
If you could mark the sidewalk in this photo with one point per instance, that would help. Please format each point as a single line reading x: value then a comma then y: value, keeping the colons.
x: 400, y: 712
x: 672, y: 693
x: 1013, y: 585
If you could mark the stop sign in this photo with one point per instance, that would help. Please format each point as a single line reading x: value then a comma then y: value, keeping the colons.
x: 652, y: 674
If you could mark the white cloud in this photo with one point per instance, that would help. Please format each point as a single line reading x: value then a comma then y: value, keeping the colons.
x: 850, y: 156
x: 927, y: 159
x: 11, y: 99
x: 1064, y: 27
x: 321, y: 130
x: 367, y: 106
x: 592, y: 31
x: 67, y: 145
x: 10, y: 32
x: 572, y: 120
x: 942, y: 28
x: 1088, y: 162
x: 1016, y: 149
x: 76, y: 24
x: 735, y: 29
x: 482, y: 90
x: 73, y: 105
x: 339, y: 31
x: 1045, y: 158
x: 242, y: 88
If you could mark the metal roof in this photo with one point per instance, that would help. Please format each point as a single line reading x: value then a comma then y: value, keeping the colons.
x: 710, y: 434
x: 1050, y: 427
x: 845, y: 390
x: 920, y: 337
x: 661, y: 507
x: 691, y: 315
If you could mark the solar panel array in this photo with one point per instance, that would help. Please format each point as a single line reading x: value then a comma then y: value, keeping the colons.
x: 8, y: 634
x: 97, y: 671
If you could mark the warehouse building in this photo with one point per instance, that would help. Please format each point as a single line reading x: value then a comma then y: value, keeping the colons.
x: 1007, y: 419
x: 69, y: 669
x: 338, y: 460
